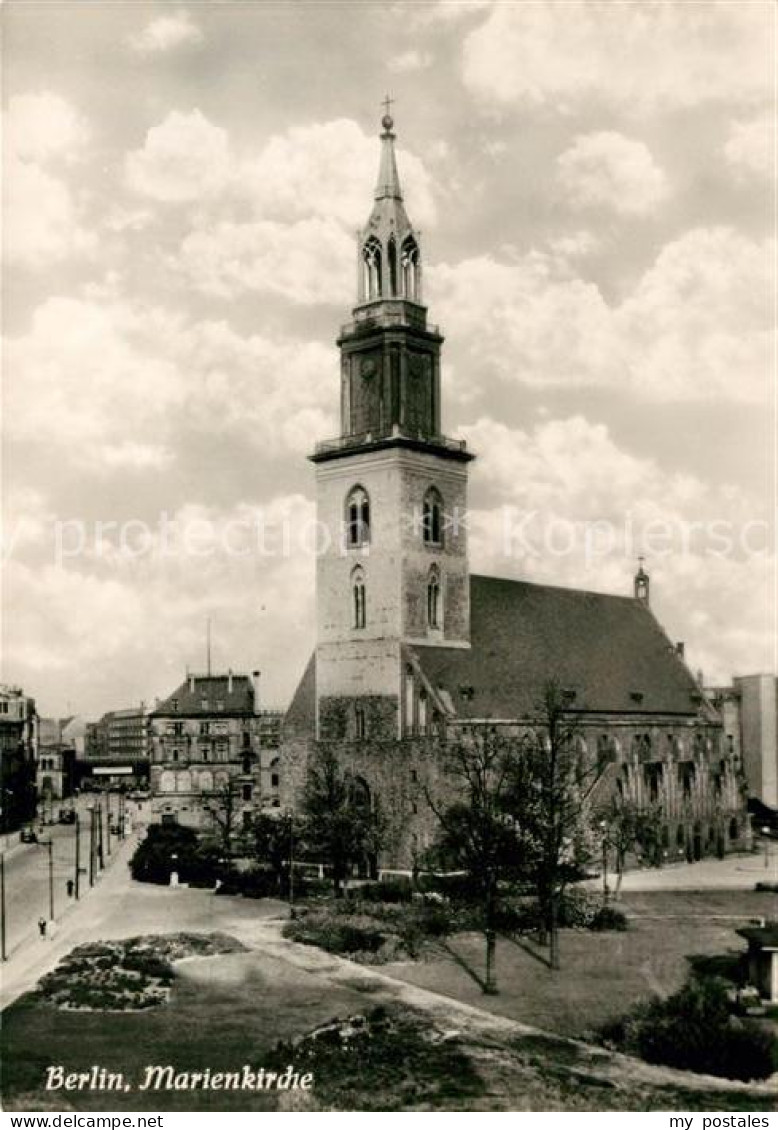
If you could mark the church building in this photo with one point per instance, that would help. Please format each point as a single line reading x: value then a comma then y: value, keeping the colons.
x: 410, y: 645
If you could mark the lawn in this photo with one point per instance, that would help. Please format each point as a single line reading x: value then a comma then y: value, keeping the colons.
x: 224, y: 1012
x: 602, y: 975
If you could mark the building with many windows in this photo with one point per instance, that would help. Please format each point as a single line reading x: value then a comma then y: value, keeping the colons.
x: 411, y: 647
x: 213, y: 748
x: 18, y: 757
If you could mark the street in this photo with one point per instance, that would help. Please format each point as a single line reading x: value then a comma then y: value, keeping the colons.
x: 30, y: 880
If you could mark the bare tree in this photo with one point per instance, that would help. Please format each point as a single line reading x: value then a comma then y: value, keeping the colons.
x: 552, y: 802
x: 223, y: 807
x: 341, y: 824
x: 477, y: 831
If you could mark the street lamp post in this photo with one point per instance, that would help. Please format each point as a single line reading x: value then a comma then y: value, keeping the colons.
x: 3, y: 954
x: 765, y: 834
x: 76, y: 887
x: 108, y: 819
x: 50, y: 845
x: 605, y: 891
x: 291, y: 865
x: 99, y: 819
x: 91, y: 811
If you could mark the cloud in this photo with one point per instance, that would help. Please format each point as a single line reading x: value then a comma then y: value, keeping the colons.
x: 116, y: 385
x: 156, y: 603
x: 311, y: 261
x: 750, y: 148
x: 183, y: 159
x: 43, y: 218
x: 699, y: 314
x: 42, y: 126
x: 411, y: 60
x: 167, y: 33
x: 612, y: 171
x: 547, y: 53
x: 566, y: 505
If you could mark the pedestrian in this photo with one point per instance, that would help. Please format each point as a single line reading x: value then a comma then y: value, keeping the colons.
x: 70, y: 888
x: 42, y: 927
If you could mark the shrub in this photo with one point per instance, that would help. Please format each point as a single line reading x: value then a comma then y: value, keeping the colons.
x: 384, y: 890
x: 694, y: 1031
x: 608, y: 918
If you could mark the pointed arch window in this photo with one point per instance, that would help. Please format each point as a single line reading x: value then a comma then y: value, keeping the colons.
x: 410, y: 700
x: 359, y: 722
x: 432, y: 517
x: 433, y: 598
x: 391, y: 255
x: 357, y: 517
x: 371, y: 256
x: 423, y: 712
x: 409, y: 263
x: 358, y: 597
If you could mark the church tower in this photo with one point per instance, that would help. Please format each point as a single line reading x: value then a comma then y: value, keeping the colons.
x: 392, y: 566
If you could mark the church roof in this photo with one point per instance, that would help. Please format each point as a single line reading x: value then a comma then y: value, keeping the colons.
x: 209, y: 695
x: 609, y: 650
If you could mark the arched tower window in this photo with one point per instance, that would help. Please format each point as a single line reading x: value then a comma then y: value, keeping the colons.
x: 358, y: 597
x: 359, y: 794
x: 432, y: 517
x: 357, y: 517
x: 433, y: 598
x: 391, y: 255
x: 410, y: 699
x: 371, y: 256
x: 359, y: 721
x: 409, y: 262
x: 423, y: 712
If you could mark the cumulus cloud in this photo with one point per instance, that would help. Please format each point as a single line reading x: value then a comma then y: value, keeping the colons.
x: 43, y: 217
x: 167, y: 33
x: 696, y: 326
x: 307, y: 262
x: 408, y: 61
x: 567, y: 505
x: 609, y: 170
x: 550, y: 53
x: 750, y: 148
x: 157, y: 600
x: 185, y: 158
x: 119, y: 385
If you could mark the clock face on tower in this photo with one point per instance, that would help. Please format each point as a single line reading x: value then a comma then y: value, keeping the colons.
x: 368, y: 368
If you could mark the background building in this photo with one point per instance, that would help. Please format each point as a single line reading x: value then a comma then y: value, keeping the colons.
x: 213, y: 748
x: 59, y: 744
x: 749, y: 709
x: 18, y: 756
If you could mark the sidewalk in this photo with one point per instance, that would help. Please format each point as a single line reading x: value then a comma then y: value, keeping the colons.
x: 734, y: 873
x: 27, y: 964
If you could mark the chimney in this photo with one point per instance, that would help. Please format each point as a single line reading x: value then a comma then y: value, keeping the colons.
x: 229, y: 681
x: 680, y: 649
x: 255, y: 682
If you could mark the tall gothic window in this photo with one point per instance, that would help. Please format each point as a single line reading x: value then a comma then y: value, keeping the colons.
x: 371, y: 256
x: 359, y: 721
x: 358, y: 597
x: 357, y: 517
x: 422, y: 712
x: 433, y: 598
x: 432, y: 517
x: 409, y: 262
x: 410, y: 700
x: 391, y: 254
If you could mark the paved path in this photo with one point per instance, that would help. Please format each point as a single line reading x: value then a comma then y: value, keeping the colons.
x: 734, y: 873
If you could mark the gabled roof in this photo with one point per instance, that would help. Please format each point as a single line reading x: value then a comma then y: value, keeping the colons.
x: 201, y: 695
x: 609, y: 650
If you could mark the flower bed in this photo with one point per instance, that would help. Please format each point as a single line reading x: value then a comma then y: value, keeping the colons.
x: 126, y: 975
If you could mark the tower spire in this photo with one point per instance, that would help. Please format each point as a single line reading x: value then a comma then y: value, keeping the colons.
x: 388, y: 184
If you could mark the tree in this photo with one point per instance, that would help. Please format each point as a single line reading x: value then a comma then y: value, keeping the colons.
x: 477, y: 831
x: 341, y: 824
x: 551, y: 801
x: 273, y: 845
x: 223, y: 807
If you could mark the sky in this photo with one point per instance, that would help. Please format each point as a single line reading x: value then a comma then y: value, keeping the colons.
x: 595, y: 188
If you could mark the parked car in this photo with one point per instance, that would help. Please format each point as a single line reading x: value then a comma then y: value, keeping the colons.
x: 28, y: 836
